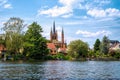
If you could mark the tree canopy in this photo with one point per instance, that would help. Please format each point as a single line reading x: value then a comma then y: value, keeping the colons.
x: 35, y: 45
x: 77, y: 49
x: 97, y: 45
x: 13, y: 37
x: 105, y: 45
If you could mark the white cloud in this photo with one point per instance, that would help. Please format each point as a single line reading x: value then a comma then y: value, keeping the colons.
x: 93, y: 34
x: 110, y: 12
x: 73, y: 23
x: 90, y: 4
x: 67, y: 15
x: 1, y: 24
x: 56, y: 11
x: 68, y: 6
x: 2, y: 2
x: 8, y: 6
x: 65, y: 10
x: 5, y: 4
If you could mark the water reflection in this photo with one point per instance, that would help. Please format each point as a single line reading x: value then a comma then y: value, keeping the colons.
x: 61, y: 70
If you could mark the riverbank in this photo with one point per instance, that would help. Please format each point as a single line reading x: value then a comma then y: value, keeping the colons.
x: 97, y: 59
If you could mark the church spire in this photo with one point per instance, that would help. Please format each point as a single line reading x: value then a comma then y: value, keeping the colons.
x: 62, y: 31
x: 62, y: 35
x: 54, y: 27
x: 51, y: 34
x: 51, y: 30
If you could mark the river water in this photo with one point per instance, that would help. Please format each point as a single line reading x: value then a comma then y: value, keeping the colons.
x: 60, y: 70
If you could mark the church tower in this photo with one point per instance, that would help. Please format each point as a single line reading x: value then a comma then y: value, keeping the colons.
x: 53, y: 33
x: 55, y: 45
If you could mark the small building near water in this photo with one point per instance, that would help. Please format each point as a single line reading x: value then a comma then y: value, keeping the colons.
x: 114, y: 45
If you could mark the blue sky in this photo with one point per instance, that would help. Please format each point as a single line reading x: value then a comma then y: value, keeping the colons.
x: 81, y: 19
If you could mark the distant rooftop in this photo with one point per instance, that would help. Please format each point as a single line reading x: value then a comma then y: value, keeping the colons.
x: 114, y: 41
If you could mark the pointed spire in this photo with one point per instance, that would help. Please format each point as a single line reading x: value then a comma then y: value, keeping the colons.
x: 54, y: 27
x: 62, y: 31
x: 62, y: 39
x: 51, y: 29
x: 51, y: 34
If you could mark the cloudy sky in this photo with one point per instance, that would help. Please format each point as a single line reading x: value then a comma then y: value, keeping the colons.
x: 81, y: 19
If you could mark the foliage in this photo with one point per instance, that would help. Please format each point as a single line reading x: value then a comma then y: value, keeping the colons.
x: 35, y: 45
x: 91, y: 53
x: 97, y: 45
x: 96, y: 54
x: 77, y: 49
x: 18, y: 57
x: 116, y: 54
x: 58, y: 56
x: 105, y: 45
x: 13, y: 37
x: 2, y: 41
x: 14, y: 25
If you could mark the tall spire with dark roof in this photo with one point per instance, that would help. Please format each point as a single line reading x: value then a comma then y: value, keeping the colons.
x: 62, y: 35
x: 51, y: 34
x: 54, y: 27
x: 62, y: 31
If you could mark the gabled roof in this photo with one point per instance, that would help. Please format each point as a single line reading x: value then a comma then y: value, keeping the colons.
x: 51, y: 45
x: 62, y: 50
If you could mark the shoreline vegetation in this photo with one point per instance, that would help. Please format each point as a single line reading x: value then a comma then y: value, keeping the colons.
x: 31, y: 46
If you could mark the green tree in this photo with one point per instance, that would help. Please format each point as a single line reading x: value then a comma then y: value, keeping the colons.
x: 77, y: 49
x: 35, y: 45
x: 2, y: 39
x: 13, y: 36
x: 97, y: 45
x: 105, y: 45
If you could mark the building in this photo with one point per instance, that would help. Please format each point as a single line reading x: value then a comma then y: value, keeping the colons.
x: 114, y: 45
x: 55, y: 45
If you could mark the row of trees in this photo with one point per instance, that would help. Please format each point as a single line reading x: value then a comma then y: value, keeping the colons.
x: 78, y: 49
x: 29, y: 44
x: 102, y: 47
x: 32, y: 45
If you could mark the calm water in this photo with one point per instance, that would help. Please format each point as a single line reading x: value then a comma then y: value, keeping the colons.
x: 61, y: 70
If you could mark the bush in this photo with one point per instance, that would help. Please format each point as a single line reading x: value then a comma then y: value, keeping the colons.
x: 18, y: 56
x: 115, y: 54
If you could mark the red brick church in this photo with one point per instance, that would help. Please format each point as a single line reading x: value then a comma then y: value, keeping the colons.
x: 55, y: 45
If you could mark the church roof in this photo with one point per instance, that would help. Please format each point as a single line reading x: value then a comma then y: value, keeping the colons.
x: 62, y: 50
x: 51, y: 45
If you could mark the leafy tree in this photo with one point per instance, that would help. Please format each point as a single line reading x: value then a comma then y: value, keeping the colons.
x: 97, y: 45
x: 2, y: 39
x: 105, y: 45
x: 13, y: 37
x: 35, y: 45
x: 77, y: 49
x: 14, y: 25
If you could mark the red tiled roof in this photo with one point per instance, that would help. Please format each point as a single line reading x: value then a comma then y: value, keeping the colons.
x: 2, y: 47
x: 63, y: 49
x: 51, y: 45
